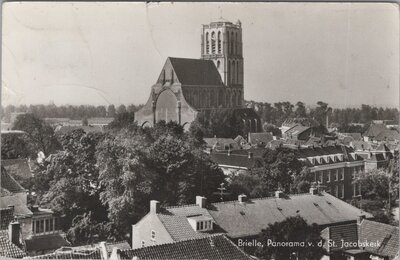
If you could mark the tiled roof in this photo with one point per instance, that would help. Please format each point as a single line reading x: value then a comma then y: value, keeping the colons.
x: 387, y: 234
x: 355, y: 136
x: 176, y: 222
x: 296, y: 130
x: 249, y: 218
x: 300, y: 120
x: 221, y: 143
x: 68, y: 254
x: 374, y: 130
x: 17, y: 168
x: 257, y: 138
x: 20, y: 208
x: 196, y: 71
x: 6, y: 216
x: 47, y: 242
x: 234, y: 160
x: 388, y: 135
x: 9, y: 183
x: 361, y: 145
x: 212, y: 247
x: 338, y: 233
x: 8, y: 249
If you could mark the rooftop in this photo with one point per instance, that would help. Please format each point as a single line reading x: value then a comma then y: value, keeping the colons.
x: 8, y: 249
x: 9, y: 183
x: 211, y: 247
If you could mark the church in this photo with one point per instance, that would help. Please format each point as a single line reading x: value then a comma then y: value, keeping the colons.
x: 215, y: 81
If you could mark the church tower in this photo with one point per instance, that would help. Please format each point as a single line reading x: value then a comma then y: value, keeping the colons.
x: 221, y: 42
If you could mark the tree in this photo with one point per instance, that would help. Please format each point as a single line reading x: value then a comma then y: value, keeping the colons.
x: 300, y: 110
x: 272, y: 129
x: 41, y: 134
x: 161, y: 163
x: 121, y: 109
x: 15, y: 146
x: 122, y: 120
x: 85, y: 122
x: 111, y: 111
x: 303, y: 237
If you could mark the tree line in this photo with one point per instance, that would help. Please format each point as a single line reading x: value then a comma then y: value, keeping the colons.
x: 277, y: 112
x: 68, y: 111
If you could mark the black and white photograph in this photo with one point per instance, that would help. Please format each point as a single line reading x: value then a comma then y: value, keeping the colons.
x: 199, y: 130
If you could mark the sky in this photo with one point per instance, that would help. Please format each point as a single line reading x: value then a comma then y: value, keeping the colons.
x: 345, y: 54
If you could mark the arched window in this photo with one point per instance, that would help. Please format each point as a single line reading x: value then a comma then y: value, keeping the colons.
x: 207, y: 43
x: 213, y: 42
x: 237, y: 72
x: 219, y: 42
x: 227, y: 40
x: 233, y: 72
x: 229, y: 72
x: 218, y: 64
x: 237, y: 43
x: 232, y: 41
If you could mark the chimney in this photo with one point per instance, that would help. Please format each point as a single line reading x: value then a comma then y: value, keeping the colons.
x: 313, y: 191
x: 229, y: 152
x: 14, y: 229
x: 360, y: 219
x: 242, y: 198
x: 250, y: 155
x: 279, y: 194
x: 103, y: 250
x: 154, y: 206
x: 201, y: 201
x: 115, y: 254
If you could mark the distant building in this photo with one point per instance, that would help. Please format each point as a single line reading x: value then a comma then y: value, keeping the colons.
x: 221, y: 144
x: 187, y: 86
x: 244, y: 218
x: 383, y: 239
x: 260, y: 139
x: 379, y: 133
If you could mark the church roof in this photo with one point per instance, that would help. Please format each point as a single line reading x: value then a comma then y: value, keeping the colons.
x: 196, y: 71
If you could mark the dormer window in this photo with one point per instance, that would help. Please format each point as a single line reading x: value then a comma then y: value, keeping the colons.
x: 201, y: 223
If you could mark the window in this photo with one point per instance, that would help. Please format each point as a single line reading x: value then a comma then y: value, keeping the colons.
x: 218, y: 64
x: 321, y: 177
x: 336, y: 191
x: 341, y: 174
x: 207, y: 43
x: 328, y: 176
x: 237, y: 43
x: 41, y: 227
x: 213, y: 42
x: 153, y: 235
x: 342, y: 193
x: 51, y: 221
x: 143, y: 243
x: 37, y: 230
x: 47, y: 226
x: 219, y: 42
x: 336, y: 175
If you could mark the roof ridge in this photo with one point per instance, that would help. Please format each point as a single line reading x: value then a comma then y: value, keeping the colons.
x: 380, y: 223
x: 180, y: 206
x: 261, y: 198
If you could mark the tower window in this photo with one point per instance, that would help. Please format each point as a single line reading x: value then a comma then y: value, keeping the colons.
x: 213, y: 42
x: 227, y: 40
x: 231, y: 42
x: 237, y: 72
x: 219, y: 42
x: 207, y: 43
x: 218, y: 64
x: 237, y: 43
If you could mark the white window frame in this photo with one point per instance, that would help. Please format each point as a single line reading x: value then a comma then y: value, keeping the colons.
x: 342, y: 192
x: 336, y: 174
x: 341, y: 174
x: 329, y: 176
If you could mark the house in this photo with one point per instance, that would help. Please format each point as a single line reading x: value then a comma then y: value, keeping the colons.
x: 237, y: 161
x: 40, y: 229
x: 375, y: 158
x: 379, y: 132
x: 9, y: 249
x: 68, y: 254
x: 298, y: 132
x: 241, y: 219
x: 260, y: 139
x: 211, y: 247
x: 334, y: 167
x: 363, y: 240
x: 219, y: 144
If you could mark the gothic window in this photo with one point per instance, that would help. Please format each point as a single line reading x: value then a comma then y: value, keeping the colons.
x: 172, y: 77
x: 227, y: 42
x: 207, y: 43
x: 237, y: 43
x: 213, y: 42
x: 237, y: 72
x: 219, y: 42
x: 231, y: 42
x: 229, y: 72
x: 218, y: 64
x: 234, y: 72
